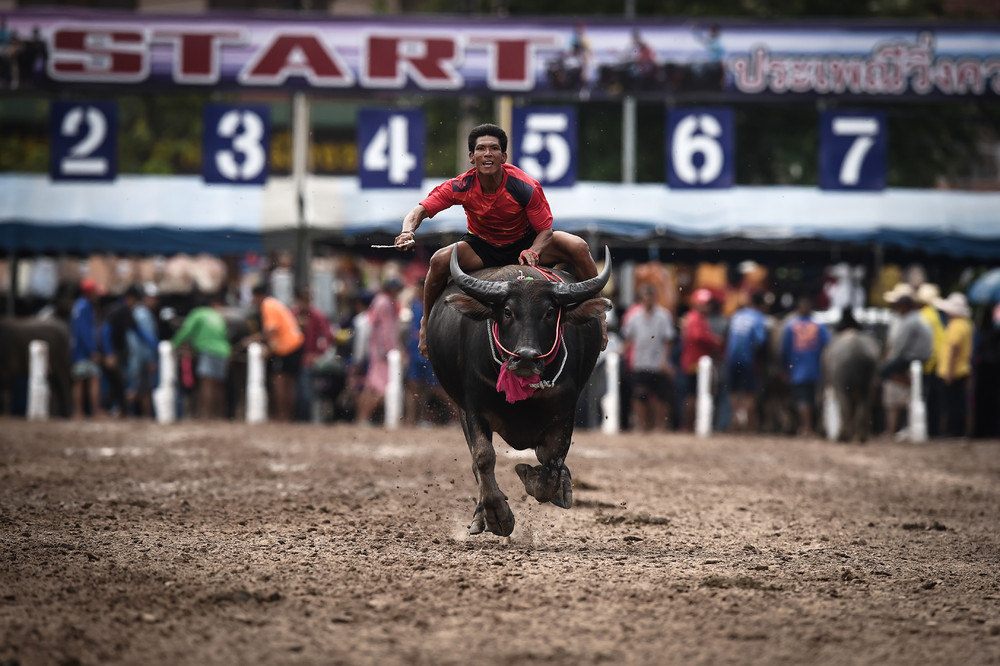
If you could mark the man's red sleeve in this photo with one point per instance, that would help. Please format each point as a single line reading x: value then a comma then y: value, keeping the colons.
x: 439, y: 199
x: 539, y: 213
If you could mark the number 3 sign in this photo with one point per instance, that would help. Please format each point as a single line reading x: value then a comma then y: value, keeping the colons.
x: 235, y: 144
x: 700, y: 146
x: 83, y: 143
x: 852, y: 150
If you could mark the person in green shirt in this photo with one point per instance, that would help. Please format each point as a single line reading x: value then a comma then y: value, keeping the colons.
x: 204, y: 329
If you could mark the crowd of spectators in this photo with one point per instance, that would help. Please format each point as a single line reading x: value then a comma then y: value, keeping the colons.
x: 318, y: 368
x: 322, y: 368
x: 767, y: 362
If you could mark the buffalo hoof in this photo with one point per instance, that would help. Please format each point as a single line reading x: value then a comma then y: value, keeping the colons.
x: 546, y: 484
x: 499, y: 522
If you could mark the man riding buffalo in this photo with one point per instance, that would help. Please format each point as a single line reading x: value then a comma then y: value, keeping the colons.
x: 514, y: 347
x: 509, y: 222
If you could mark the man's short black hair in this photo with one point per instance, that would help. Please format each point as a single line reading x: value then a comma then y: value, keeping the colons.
x: 260, y: 289
x: 487, y: 130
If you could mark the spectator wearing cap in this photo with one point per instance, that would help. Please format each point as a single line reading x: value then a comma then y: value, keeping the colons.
x: 141, y: 358
x: 910, y: 339
x: 118, y: 322
x: 927, y: 296
x: 802, y: 344
x: 284, y: 338
x: 383, y: 337
x: 86, y: 356
x: 697, y: 340
x: 955, y: 362
x: 205, y: 330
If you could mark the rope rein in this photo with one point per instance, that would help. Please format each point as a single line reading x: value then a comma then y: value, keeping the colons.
x: 493, y: 333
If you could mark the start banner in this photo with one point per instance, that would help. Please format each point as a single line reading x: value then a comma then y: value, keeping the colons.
x: 599, y: 59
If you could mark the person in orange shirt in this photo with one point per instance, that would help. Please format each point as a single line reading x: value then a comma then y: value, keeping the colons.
x: 284, y: 338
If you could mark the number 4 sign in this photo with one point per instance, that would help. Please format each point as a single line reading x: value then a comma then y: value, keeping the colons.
x: 852, y: 150
x: 390, y: 143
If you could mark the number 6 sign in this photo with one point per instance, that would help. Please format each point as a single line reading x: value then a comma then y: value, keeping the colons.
x: 852, y: 150
x: 83, y: 143
x: 700, y: 146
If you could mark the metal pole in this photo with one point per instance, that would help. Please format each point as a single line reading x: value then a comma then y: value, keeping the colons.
x: 300, y: 168
x: 628, y: 140
x: 628, y: 121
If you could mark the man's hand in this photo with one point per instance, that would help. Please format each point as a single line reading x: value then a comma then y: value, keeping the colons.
x: 528, y: 258
x: 405, y: 240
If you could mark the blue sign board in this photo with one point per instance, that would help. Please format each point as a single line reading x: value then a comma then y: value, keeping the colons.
x: 700, y: 152
x: 236, y: 144
x: 544, y: 144
x: 84, y: 142
x: 852, y: 150
x: 391, y: 147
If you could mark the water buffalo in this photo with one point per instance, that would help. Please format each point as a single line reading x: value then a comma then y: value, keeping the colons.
x: 850, y: 362
x: 514, y: 348
x: 15, y: 337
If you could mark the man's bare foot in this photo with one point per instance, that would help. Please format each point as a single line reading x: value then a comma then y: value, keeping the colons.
x: 422, y: 343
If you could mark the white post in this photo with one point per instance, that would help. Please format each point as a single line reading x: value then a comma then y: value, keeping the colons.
x: 704, y: 406
x: 394, y: 390
x: 38, y: 384
x: 831, y: 413
x: 918, y: 410
x: 610, y: 404
x: 165, y: 395
x: 256, y: 407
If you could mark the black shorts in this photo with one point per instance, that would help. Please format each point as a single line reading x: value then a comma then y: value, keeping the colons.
x: 499, y: 255
x: 289, y: 364
x: 742, y: 378
x: 646, y: 383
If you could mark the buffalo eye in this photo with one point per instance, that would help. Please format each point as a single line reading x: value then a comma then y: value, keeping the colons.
x: 550, y: 314
x: 507, y: 313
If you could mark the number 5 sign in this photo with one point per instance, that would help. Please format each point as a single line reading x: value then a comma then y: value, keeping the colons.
x: 390, y: 143
x: 852, y: 150
x: 545, y: 144
x: 83, y: 143
x: 700, y: 146
x: 235, y: 144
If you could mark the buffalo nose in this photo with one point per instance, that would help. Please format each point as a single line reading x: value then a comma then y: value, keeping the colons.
x: 526, y: 354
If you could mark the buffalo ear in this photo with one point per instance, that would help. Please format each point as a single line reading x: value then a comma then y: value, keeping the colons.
x: 469, y: 307
x: 589, y: 309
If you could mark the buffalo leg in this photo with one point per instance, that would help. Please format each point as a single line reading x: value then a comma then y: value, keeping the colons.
x: 492, y: 512
x: 550, y: 481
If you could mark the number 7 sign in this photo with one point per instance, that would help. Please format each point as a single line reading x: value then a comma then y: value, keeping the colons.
x: 852, y: 150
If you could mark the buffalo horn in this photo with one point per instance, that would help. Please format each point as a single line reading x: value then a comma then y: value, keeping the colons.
x: 568, y: 293
x: 485, y: 291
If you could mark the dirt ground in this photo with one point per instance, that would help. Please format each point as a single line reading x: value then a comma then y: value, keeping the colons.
x: 219, y: 543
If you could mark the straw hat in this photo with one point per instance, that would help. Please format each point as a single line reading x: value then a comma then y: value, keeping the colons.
x: 928, y: 293
x: 955, y: 305
x: 900, y: 291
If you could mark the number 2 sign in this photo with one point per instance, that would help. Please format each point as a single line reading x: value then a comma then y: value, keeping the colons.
x: 852, y: 151
x: 83, y: 143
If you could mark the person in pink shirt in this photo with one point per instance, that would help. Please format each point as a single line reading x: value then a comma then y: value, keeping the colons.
x: 383, y: 315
